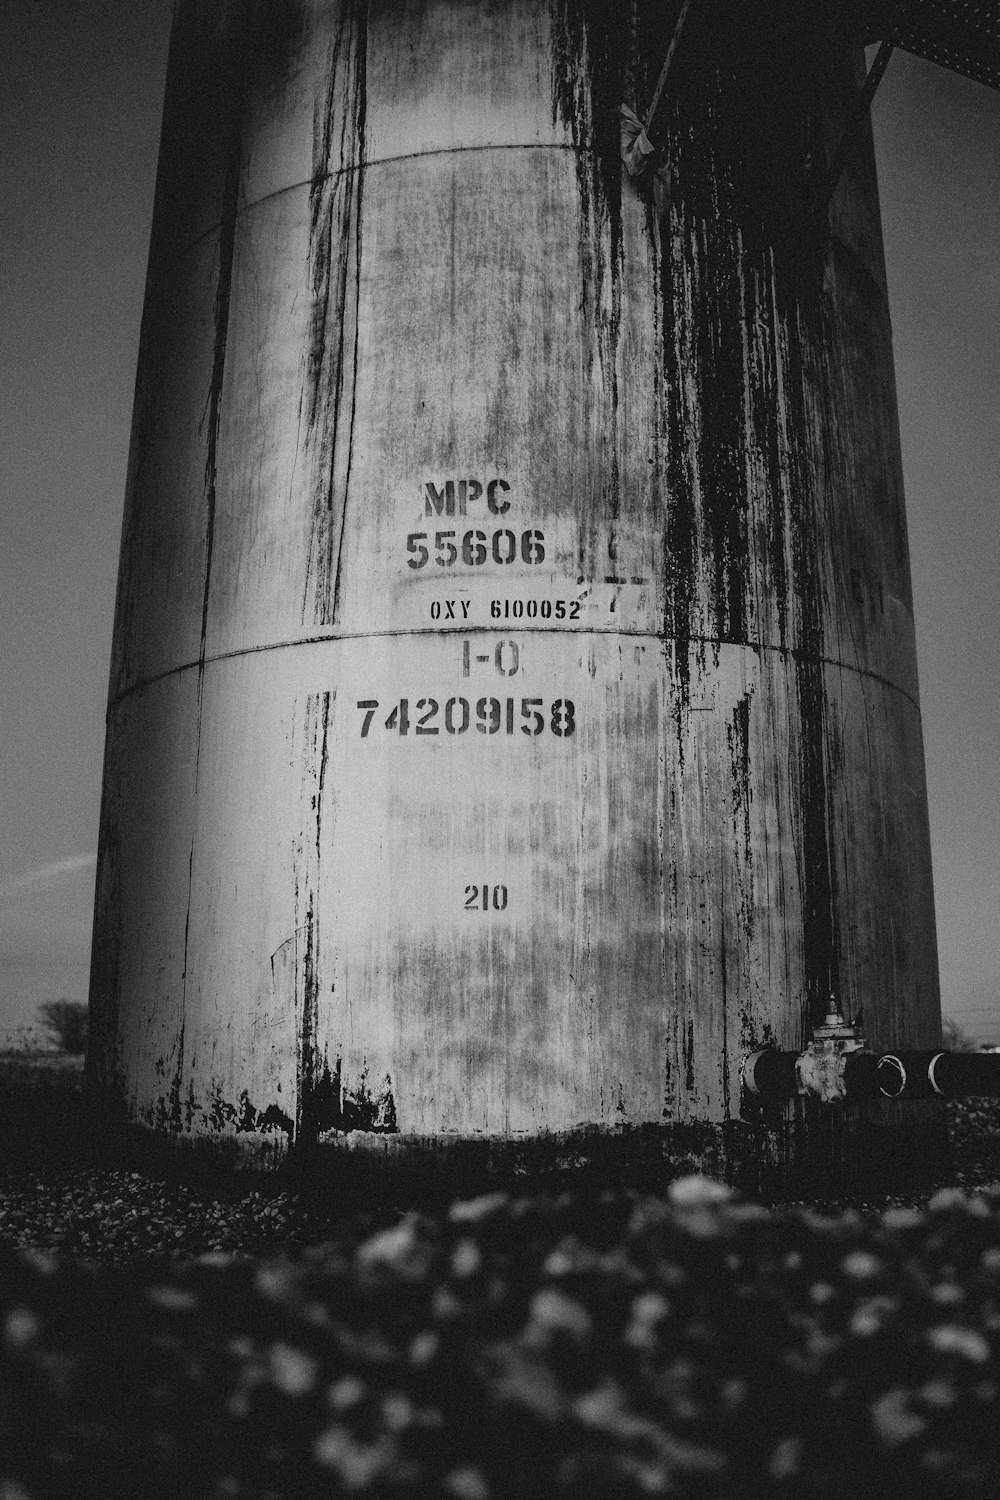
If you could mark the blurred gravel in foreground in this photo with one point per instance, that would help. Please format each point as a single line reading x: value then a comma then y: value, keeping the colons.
x: 609, y: 1344
x: 524, y: 1347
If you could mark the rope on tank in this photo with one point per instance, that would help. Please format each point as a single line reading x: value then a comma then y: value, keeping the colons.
x: 640, y: 152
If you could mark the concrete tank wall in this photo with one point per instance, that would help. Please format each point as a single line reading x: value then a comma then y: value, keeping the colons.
x: 485, y: 534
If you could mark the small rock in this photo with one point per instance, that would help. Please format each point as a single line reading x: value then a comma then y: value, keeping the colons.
x: 650, y: 1308
x: 894, y: 1420
x: 786, y: 1459
x: 12, y: 1489
x: 293, y: 1371
x: 474, y: 1210
x: 346, y: 1392
x: 558, y: 1263
x: 947, y: 1200
x: 861, y: 1265
x: 20, y: 1327
x: 901, y: 1220
x: 696, y: 1191
x: 734, y: 1394
x: 870, y: 1317
x: 696, y: 1458
x: 357, y: 1463
x: 398, y: 1249
x: 274, y: 1282
x: 397, y: 1411
x: 445, y: 1306
x: 424, y: 1347
x: 606, y: 1409
x: 216, y: 1259
x: 952, y: 1338
x: 466, y: 1484
x: 40, y: 1261
x: 553, y: 1311
x: 171, y: 1298
x: 939, y: 1395
x: 466, y: 1259
x: 821, y: 1292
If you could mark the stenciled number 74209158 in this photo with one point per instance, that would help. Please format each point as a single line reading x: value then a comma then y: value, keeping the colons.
x: 491, y: 716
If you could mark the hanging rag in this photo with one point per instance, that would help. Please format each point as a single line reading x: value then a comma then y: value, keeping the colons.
x: 644, y: 161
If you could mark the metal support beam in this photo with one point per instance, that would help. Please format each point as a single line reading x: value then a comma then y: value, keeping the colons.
x: 862, y: 105
x: 961, y: 35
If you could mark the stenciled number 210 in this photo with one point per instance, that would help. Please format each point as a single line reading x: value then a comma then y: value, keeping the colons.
x: 478, y: 898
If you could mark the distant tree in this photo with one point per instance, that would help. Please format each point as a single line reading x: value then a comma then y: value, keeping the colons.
x: 954, y: 1038
x: 67, y: 1020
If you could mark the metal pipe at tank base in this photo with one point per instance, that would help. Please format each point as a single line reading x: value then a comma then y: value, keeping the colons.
x: 920, y: 1075
x: 772, y: 1074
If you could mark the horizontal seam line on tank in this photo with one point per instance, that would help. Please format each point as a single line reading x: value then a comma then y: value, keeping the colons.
x: 382, y: 161
x: 459, y: 630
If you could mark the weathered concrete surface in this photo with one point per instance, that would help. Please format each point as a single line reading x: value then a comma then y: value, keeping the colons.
x: 490, y: 542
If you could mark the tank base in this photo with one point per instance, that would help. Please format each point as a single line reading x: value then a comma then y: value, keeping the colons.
x: 801, y: 1151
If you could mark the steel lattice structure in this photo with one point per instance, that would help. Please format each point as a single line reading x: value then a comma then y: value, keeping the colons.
x: 963, y: 35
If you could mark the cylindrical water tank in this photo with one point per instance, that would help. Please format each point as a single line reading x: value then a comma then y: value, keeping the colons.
x: 513, y: 712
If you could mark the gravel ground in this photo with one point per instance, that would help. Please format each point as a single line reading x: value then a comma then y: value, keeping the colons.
x: 169, y: 1337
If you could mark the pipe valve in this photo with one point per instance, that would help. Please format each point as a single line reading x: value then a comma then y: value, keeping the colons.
x: 821, y: 1067
x: 818, y: 1071
x: 836, y: 1065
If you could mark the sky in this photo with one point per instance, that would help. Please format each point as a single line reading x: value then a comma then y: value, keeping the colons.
x: 81, y: 91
